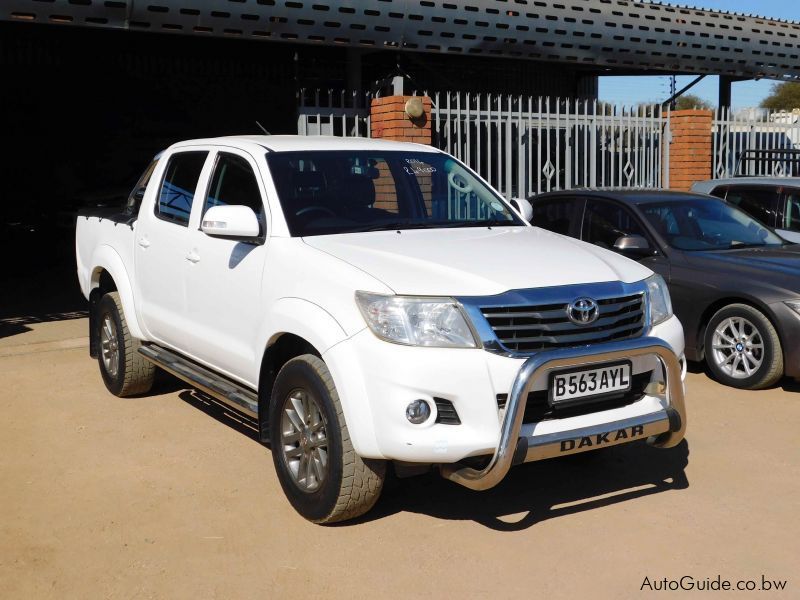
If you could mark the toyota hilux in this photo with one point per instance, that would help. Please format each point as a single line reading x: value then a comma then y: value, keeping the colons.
x: 368, y: 302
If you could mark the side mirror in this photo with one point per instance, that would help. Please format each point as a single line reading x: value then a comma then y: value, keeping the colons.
x: 524, y: 208
x: 230, y: 222
x: 634, y: 246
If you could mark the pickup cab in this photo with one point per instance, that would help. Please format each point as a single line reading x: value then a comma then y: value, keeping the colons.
x: 369, y: 302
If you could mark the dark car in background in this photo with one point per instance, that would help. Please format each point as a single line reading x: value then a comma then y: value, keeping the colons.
x: 735, y: 284
x: 774, y: 201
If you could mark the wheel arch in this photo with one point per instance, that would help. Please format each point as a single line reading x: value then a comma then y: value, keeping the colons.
x: 304, y: 328
x: 109, y: 274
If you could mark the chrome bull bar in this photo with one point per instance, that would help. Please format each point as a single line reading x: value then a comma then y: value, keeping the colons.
x: 663, y: 429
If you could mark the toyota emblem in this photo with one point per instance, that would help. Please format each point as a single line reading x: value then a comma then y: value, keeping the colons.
x: 583, y: 311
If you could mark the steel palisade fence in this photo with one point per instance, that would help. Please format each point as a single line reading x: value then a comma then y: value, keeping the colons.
x: 524, y: 145
x: 735, y: 133
x: 333, y: 112
x: 520, y: 144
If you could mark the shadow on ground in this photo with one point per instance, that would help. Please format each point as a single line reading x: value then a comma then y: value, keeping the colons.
x: 530, y: 494
x: 539, y: 491
x: 701, y: 368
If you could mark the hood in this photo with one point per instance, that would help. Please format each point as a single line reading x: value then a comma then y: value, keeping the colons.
x: 476, y: 261
x: 778, y: 265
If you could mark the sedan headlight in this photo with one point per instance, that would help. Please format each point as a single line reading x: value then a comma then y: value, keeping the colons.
x: 660, y: 302
x: 415, y: 321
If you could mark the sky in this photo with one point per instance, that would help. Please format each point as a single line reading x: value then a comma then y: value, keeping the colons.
x: 745, y: 94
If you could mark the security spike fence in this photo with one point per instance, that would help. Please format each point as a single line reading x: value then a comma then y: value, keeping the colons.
x: 524, y: 145
x: 333, y: 112
x: 741, y: 141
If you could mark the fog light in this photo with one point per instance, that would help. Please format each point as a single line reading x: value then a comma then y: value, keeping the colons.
x: 418, y: 412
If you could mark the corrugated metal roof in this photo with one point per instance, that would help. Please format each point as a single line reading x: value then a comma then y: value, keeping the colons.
x: 603, y: 34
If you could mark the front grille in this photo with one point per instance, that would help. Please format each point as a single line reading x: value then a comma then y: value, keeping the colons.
x: 538, y: 408
x: 539, y: 327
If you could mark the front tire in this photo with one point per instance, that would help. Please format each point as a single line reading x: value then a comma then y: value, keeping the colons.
x: 743, y: 349
x: 319, y: 471
x: 125, y: 372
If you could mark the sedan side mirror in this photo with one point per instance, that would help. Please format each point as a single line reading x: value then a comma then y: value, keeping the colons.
x: 634, y: 246
x: 524, y: 208
x: 238, y: 222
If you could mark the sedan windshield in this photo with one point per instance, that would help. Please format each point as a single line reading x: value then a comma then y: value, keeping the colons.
x: 324, y: 192
x: 707, y: 224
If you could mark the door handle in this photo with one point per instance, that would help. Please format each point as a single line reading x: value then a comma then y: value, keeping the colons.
x: 193, y: 257
x: 144, y: 242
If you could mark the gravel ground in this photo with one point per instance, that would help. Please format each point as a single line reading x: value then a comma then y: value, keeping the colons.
x: 169, y: 496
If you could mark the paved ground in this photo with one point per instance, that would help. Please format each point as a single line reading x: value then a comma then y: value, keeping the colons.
x: 168, y: 497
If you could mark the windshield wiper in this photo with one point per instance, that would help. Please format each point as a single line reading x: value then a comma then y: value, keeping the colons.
x: 743, y: 246
x: 471, y: 223
x: 391, y: 226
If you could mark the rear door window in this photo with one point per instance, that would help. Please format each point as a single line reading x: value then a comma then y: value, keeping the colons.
x: 760, y: 203
x: 234, y: 184
x: 560, y: 216
x: 179, y: 185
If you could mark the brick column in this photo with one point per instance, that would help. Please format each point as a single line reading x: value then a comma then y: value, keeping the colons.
x: 389, y: 120
x: 690, y: 157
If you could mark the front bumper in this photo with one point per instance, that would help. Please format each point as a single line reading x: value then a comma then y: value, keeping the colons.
x: 663, y: 428
x: 376, y: 381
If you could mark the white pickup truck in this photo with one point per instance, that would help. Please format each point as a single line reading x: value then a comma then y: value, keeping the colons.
x: 371, y: 301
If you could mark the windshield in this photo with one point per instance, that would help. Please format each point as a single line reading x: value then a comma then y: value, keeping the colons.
x: 707, y: 224
x: 324, y: 192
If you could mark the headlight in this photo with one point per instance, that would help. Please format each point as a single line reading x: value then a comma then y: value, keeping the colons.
x: 434, y: 322
x: 794, y: 305
x: 660, y: 302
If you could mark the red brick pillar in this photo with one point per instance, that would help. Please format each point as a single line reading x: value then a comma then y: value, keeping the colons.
x: 690, y: 157
x: 395, y: 118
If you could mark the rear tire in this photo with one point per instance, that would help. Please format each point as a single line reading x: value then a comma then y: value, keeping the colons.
x: 319, y: 471
x: 125, y: 372
x: 742, y: 348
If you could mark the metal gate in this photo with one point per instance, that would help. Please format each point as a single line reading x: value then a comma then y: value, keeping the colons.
x: 523, y: 145
x: 740, y: 135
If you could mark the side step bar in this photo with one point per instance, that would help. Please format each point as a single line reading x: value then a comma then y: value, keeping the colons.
x: 221, y: 388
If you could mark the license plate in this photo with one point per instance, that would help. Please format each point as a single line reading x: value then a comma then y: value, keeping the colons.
x: 567, y: 386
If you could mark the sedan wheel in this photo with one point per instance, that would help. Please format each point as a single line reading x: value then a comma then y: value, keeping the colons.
x: 742, y: 348
x: 738, y: 348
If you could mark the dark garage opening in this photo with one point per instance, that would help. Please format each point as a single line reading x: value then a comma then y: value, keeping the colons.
x: 84, y: 111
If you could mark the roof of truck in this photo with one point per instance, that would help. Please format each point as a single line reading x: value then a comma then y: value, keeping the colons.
x: 293, y: 143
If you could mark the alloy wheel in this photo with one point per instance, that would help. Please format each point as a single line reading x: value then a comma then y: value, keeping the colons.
x: 304, y: 441
x: 109, y: 346
x: 737, y: 347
